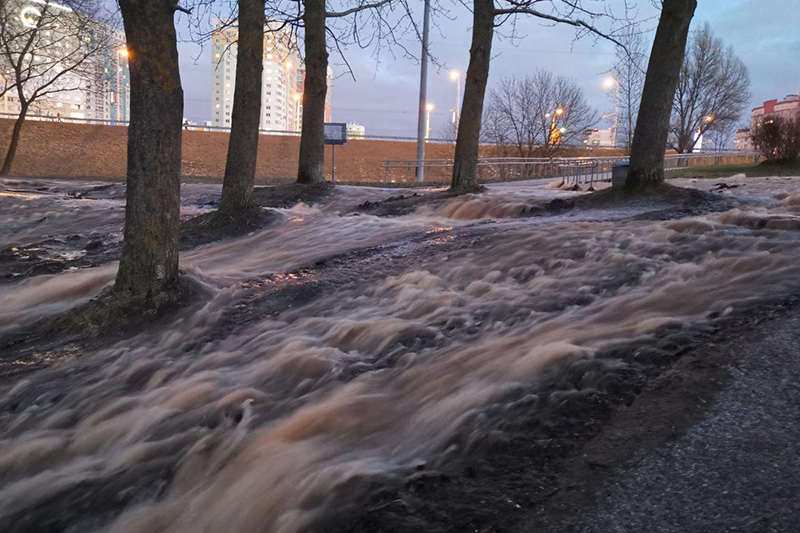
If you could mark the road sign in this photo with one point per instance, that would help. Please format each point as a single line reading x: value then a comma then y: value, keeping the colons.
x: 335, y: 133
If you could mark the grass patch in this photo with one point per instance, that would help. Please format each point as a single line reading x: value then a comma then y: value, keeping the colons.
x: 762, y: 170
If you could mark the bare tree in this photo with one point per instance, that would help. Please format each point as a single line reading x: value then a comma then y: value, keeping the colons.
x: 629, y: 74
x: 485, y: 17
x: 538, y: 114
x: 646, y: 169
x: 46, y: 50
x: 240, y: 167
x: 712, y: 93
x: 148, y: 267
x: 364, y: 23
x: 721, y: 136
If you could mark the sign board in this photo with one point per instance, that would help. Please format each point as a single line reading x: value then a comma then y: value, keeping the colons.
x: 335, y: 133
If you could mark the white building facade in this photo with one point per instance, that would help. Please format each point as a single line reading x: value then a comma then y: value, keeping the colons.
x: 356, y: 131
x: 282, y: 79
x: 99, y: 89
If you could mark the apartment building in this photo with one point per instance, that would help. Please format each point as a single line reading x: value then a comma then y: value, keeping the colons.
x: 282, y: 79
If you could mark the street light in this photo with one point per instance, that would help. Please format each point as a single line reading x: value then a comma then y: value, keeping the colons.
x: 428, y: 108
x: 456, y: 77
x: 124, y: 52
x: 554, y: 133
x: 612, y: 83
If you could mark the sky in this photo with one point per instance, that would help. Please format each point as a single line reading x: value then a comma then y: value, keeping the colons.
x: 384, y: 94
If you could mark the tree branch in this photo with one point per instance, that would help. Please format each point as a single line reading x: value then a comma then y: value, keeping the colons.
x: 357, y: 9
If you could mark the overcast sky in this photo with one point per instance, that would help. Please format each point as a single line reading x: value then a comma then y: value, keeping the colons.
x: 383, y: 97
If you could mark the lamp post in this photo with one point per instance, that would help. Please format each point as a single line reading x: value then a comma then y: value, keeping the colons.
x: 611, y: 83
x: 456, y: 77
x: 423, y: 92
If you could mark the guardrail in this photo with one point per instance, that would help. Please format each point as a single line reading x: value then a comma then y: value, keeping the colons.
x: 575, y: 170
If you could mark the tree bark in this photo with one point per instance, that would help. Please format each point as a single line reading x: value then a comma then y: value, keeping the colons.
x: 646, y: 169
x: 311, y: 168
x: 465, y: 165
x: 12, y: 146
x: 148, y: 267
x: 240, y: 167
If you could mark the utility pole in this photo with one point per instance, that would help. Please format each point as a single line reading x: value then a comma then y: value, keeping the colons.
x: 423, y: 94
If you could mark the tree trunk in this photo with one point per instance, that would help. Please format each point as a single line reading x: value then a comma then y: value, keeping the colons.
x: 149, y: 263
x: 240, y: 168
x: 12, y: 147
x: 663, y: 73
x: 465, y: 165
x: 311, y: 168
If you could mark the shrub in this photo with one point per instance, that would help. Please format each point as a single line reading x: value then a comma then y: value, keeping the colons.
x: 778, y: 139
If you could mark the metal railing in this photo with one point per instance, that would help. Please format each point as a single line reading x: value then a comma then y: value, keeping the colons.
x: 575, y: 170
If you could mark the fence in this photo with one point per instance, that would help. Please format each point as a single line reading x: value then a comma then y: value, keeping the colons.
x: 573, y: 169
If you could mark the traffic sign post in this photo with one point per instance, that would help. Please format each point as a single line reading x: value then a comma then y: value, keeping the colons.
x: 335, y: 133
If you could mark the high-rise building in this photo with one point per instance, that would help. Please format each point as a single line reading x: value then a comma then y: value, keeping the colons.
x: 99, y: 89
x: 301, y: 82
x: 282, y: 79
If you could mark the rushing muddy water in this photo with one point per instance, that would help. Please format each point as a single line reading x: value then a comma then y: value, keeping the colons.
x: 334, y: 349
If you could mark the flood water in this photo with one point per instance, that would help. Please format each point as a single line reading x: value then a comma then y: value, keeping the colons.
x: 334, y: 349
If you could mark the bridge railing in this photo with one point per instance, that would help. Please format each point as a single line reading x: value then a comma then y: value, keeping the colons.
x: 572, y: 169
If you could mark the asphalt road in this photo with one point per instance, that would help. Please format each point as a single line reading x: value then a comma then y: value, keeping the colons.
x: 732, y: 463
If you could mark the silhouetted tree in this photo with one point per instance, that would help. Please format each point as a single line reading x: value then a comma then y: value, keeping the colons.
x: 148, y: 267
x: 537, y: 114
x: 663, y: 72
x: 315, y: 17
x: 240, y: 167
x: 712, y: 93
x: 629, y: 74
x: 485, y: 17
x: 778, y: 138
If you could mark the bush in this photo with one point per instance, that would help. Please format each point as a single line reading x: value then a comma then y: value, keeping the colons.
x: 778, y: 139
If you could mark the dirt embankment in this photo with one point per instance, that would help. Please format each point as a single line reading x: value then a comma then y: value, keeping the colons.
x: 64, y: 150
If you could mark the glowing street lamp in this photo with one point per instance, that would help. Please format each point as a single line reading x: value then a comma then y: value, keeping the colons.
x: 123, y: 52
x: 456, y: 77
x: 428, y: 108
x: 30, y: 16
x: 611, y: 83
x: 554, y: 132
